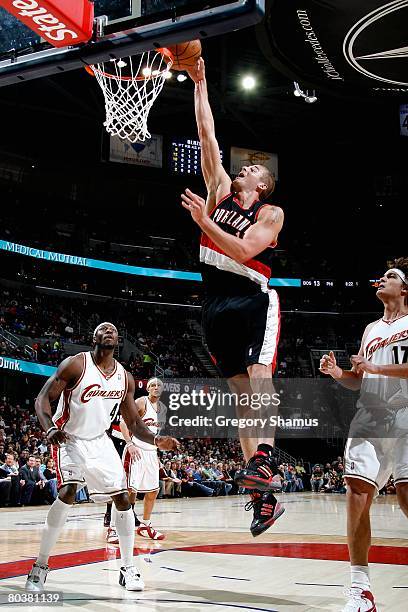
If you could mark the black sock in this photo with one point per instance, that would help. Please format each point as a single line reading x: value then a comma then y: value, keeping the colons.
x: 109, y: 510
x: 266, y: 448
x: 137, y: 522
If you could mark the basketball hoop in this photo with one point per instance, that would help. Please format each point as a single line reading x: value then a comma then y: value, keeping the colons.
x: 130, y: 86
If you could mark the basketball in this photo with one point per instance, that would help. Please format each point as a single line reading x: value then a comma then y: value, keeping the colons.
x: 185, y: 54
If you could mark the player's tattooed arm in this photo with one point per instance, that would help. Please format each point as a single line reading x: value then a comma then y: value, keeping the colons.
x: 66, y: 376
x: 135, y: 424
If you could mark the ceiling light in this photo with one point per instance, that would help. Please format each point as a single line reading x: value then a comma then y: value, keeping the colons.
x: 248, y: 82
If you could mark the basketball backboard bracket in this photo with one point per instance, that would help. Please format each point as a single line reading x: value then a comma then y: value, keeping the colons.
x: 119, y: 34
x: 100, y: 24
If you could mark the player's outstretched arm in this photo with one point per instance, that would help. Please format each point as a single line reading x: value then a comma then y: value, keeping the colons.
x: 67, y: 374
x: 350, y: 379
x: 347, y: 378
x: 217, y: 181
x: 136, y: 425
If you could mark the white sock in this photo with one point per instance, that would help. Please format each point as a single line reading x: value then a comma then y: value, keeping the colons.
x: 125, y: 527
x: 55, y: 521
x: 146, y: 522
x: 113, y: 517
x: 360, y: 577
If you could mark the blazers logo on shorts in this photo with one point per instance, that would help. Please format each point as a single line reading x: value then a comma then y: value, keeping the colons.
x: 96, y: 391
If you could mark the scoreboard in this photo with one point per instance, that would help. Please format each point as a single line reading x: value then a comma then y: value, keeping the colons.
x: 329, y: 283
x: 185, y: 156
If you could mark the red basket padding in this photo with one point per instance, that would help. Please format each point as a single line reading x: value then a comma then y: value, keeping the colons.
x: 62, y: 23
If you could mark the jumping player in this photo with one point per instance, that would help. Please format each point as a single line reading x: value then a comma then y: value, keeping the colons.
x: 241, y: 318
x: 379, y: 371
x: 90, y: 387
x: 140, y: 458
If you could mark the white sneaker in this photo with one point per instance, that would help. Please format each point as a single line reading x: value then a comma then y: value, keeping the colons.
x: 112, y: 536
x: 359, y: 601
x: 147, y: 531
x: 129, y: 578
x: 36, y: 578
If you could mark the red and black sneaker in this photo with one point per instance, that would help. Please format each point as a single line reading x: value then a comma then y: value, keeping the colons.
x: 266, y: 509
x: 258, y: 473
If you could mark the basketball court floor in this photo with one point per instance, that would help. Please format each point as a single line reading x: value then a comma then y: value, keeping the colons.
x: 209, y: 561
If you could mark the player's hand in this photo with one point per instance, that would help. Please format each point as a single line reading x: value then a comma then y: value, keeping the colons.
x: 197, y: 72
x: 57, y: 437
x: 134, y: 452
x: 166, y: 443
x: 195, y: 204
x: 328, y: 365
x: 362, y: 364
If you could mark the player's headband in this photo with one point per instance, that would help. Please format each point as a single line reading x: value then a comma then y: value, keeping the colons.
x: 104, y: 323
x: 399, y: 273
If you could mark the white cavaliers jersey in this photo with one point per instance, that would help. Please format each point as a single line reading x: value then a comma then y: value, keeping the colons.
x: 150, y: 418
x: 87, y: 409
x: 387, y: 344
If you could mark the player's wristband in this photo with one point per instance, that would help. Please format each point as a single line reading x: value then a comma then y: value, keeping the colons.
x: 53, y: 428
x: 155, y: 438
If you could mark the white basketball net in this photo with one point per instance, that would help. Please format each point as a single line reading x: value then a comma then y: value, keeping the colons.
x: 130, y: 87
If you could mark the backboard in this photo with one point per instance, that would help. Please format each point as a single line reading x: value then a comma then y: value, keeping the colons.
x: 123, y: 27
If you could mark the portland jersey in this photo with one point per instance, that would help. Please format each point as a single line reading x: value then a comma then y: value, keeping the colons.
x: 87, y: 409
x: 386, y: 344
x: 150, y: 418
x: 222, y: 275
x: 115, y: 431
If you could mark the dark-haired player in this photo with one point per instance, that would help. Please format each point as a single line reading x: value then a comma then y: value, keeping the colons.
x: 241, y: 317
x: 90, y: 387
x: 380, y: 369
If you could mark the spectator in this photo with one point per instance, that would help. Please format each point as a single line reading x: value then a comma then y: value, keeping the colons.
x: 5, y: 488
x: 166, y: 480
x: 191, y: 487
x: 316, y: 479
x: 50, y: 475
x: 24, y: 455
x: 32, y: 482
x: 210, y: 480
x: 11, y: 470
x: 219, y: 475
x: 43, y: 446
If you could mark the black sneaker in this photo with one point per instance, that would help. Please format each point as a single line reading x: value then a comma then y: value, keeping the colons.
x: 266, y: 509
x: 258, y: 473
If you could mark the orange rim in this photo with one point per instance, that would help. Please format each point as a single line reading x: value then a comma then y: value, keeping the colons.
x: 164, y: 52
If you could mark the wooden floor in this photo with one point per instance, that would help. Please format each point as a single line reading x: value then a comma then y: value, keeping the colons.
x: 209, y: 560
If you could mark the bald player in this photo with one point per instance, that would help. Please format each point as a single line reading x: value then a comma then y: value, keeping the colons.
x: 91, y: 387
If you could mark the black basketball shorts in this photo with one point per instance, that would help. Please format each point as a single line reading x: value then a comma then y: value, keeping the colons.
x: 119, y: 444
x: 242, y: 330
